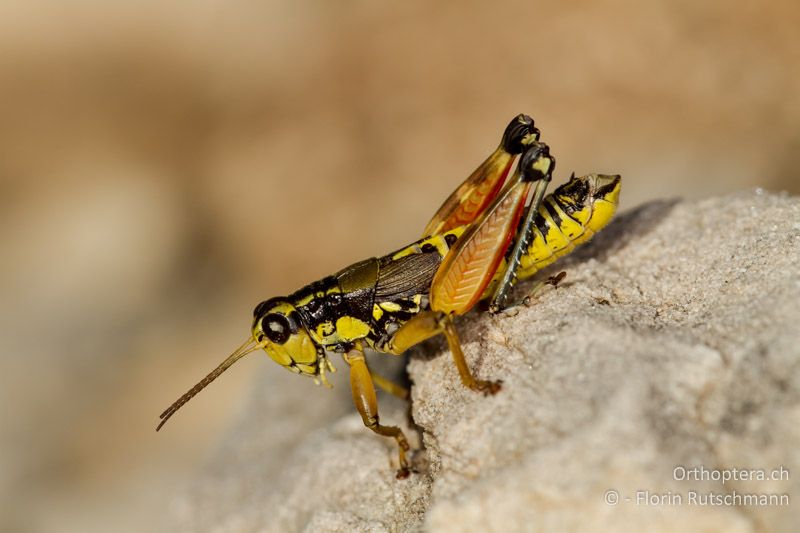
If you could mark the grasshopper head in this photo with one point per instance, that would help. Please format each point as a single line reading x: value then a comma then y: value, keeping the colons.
x: 278, y: 330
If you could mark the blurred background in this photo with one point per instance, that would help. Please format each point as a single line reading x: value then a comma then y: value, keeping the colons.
x: 166, y: 166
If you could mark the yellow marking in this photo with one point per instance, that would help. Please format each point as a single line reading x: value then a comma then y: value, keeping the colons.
x: 350, y: 328
x: 587, y: 234
x: 537, y: 253
x: 542, y: 165
x: 456, y: 231
x: 408, y: 250
x: 306, y: 300
x: 325, y: 329
x: 569, y: 227
x: 319, y: 294
x: 441, y: 245
x: 529, y: 268
x: 581, y: 216
x: 613, y: 196
x: 377, y: 312
x: 555, y: 239
x: 596, y: 215
x: 391, y: 307
x: 435, y: 240
x: 282, y: 307
x: 603, y: 211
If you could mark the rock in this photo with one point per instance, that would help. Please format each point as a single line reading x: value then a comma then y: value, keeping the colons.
x: 669, y: 355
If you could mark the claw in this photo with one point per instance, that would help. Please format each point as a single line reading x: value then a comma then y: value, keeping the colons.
x: 489, y: 388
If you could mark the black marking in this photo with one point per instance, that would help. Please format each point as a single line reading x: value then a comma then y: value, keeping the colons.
x: 542, y: 225
x: 317, y: 288
x: 357, y: 284
x: 553, y: 212
x: 383, y: 329
x: 359, y: 303
x: 568, y: 209
x: 527, y: 161
x: 566, y: 206
x: 407, y: 304
x: 450, y: 239
x: 402, y: 316
x: 322, y: 307
x: 428, y: 248
x: 605, y: 189
x: 266, y: 305
x: 571, y: 196
x: 326, y: 308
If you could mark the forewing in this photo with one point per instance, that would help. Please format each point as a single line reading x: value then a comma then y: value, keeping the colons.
x: 473, y: 196
x: 407, y: 276
x: 470, y: 199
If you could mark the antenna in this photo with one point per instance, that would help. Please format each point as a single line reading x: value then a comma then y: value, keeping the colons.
x: 249, y: 346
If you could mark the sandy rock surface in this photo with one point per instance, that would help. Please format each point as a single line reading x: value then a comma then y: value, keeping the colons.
x: 674, y: 341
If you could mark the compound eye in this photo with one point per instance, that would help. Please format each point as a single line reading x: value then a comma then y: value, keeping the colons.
x: 276, y: 327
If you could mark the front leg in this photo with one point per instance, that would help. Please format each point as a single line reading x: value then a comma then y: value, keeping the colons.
x: 366, y: 402
x: 538, y: 286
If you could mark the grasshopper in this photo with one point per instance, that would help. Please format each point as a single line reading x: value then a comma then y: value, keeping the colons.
x: 491, y: 231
